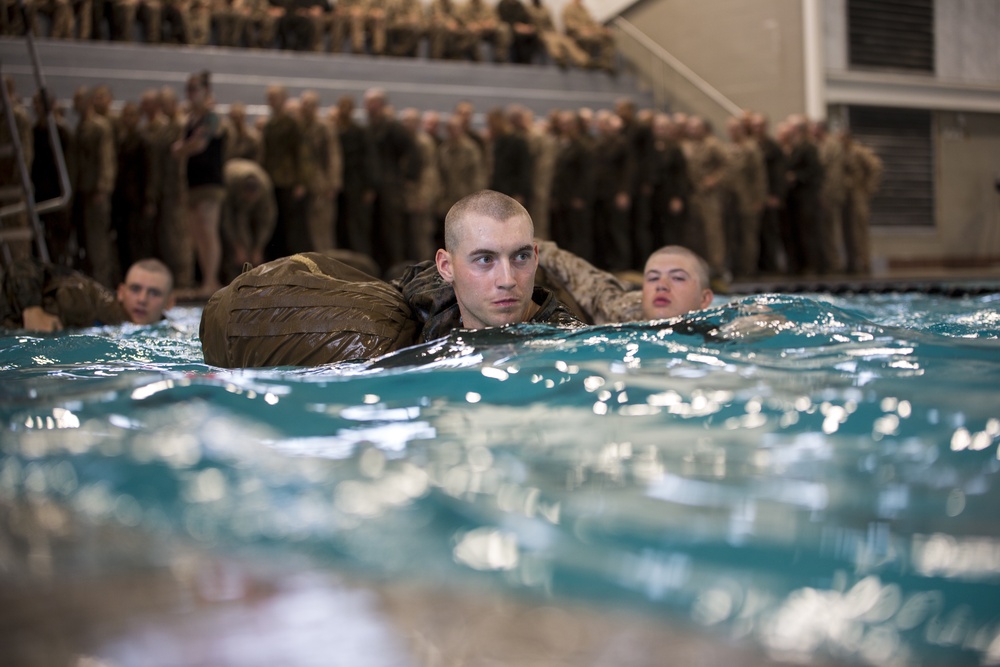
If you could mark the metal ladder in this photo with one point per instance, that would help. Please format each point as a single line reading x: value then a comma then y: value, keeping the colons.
x: 23, y: 195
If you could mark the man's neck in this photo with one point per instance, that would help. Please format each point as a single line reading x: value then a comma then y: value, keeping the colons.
x: 533, y: 309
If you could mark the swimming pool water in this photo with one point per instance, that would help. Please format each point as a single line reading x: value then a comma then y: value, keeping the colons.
x: 822, y: 485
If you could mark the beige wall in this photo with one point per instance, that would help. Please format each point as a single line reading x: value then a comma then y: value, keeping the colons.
x: 966, y: 44
x: 750, y: 51
x: 967, y: 226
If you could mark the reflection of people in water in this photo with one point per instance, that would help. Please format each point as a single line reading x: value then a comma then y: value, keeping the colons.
x: 47, y: 297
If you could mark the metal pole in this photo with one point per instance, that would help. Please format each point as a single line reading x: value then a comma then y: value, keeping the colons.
x: 54, y: 140
x: 26, y: 186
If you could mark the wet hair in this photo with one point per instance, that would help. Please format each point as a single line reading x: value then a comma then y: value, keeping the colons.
x: 490, y: 203
x: 154, y: 265
x: 701, y: 266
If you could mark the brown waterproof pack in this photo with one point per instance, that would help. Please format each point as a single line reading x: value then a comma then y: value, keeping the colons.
x: 308, y: 309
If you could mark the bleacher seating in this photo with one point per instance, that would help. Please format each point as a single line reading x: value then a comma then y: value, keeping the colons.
x: 243, y: 74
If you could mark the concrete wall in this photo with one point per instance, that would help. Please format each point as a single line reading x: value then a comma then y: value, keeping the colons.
x: 753, y: 53
x: 968, y: 204
x: 750, y: 51
x: 835, y: 34
x: 967, y: 145
x: 968, y: 215
x: 967, y: 225
x: 966, y: 47
x: 966, y: 44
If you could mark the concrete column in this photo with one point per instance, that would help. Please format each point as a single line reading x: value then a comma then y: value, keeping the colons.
x: 812, y: 58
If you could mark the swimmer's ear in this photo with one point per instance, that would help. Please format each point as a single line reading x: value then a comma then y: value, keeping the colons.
x: 444, y: 267
x: 706, y: 297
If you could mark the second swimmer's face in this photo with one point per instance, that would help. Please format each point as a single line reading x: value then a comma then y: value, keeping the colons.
x: 671, y: 287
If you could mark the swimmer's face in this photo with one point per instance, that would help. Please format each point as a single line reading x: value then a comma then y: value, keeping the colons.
x: 145, y: 295
x: 492, y: 268
x: 671, y: 287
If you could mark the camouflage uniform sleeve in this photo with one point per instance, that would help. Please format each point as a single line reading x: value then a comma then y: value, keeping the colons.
x: 336, y: 160
x: 312, y: 159
x: 230, y: 226
x: 23, y: 284
x: 573, y: 20
x: 427, y: 189
x: 304, y: 162
x: 27, y: 138
x: 424, y: 290
x: 552, y: 311
x: 108, y: 160
x: 603, y: 297
x: 758, y: 179
x: 82, y: 302
x: 461, y: 13
x: 872, y: 171
x: 264, y: 220
x: 157, y: 156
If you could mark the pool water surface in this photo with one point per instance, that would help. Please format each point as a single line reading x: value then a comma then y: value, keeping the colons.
x: 819, y: 487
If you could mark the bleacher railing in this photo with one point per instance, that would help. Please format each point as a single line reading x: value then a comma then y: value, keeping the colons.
x: 673, y: 84
x: 23, y: 195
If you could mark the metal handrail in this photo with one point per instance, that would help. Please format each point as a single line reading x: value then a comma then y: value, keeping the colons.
x: 667, y: 60
x: 29, y: 204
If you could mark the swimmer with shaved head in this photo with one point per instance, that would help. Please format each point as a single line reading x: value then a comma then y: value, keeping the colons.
x: 675, y: 282
x: 485, y: 274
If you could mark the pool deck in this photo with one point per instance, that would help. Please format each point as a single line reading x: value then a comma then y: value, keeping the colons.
x: 947, y: 281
